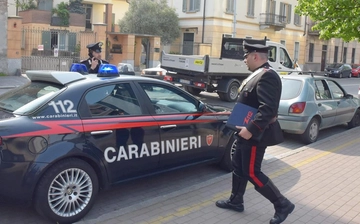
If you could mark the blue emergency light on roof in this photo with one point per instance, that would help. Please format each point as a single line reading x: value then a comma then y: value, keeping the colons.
x: 108, y: 70
x: 81, y: 68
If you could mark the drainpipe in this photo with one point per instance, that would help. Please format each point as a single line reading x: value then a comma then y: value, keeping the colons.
x: 234, y: 21
x: 203, y: 28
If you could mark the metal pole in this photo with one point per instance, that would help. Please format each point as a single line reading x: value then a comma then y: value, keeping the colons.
x: 234, y: 21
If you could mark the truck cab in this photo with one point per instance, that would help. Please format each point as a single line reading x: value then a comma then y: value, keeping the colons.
x: 222, y: 75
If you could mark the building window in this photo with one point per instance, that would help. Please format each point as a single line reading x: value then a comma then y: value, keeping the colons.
x: 230, y: 6
x: 88, y: 11
x: 353, y: 56
x: 191, y: 5
x: 251, y: 8
x: 344, y: 55
x: 336, y: 52
x: 296, y: 51
x: 45, y: 5
x: 285, y: 12
x: 311, y: 52
x: 297, y: 20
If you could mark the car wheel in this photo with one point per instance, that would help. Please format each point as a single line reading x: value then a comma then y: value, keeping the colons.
x: 67, y: 191
x: 355, y: 121
x: 349, y: 75
x: 192, y: 90
x: 225, y: 162
x: 340, y: 75
x: 312, y: 132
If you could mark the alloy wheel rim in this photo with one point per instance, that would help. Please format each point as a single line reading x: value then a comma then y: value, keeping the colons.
x: 70, y: 192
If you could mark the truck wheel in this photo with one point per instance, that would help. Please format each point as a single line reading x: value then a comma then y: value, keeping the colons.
x: 67, y: 191
x: 192, y: 90
x: 232, y: 93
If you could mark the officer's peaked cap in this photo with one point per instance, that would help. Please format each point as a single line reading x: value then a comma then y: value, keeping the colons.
x: 254, y: 46
x: 95, y: 47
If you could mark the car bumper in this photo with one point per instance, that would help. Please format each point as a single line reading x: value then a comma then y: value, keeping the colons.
x: 18, y: 179
x: 293, y: 124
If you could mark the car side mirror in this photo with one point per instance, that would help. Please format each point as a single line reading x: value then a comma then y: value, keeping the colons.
x: 202, y: 107
x: 349, y: 96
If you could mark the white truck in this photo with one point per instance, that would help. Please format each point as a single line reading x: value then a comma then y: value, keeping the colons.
x: 222, y: 75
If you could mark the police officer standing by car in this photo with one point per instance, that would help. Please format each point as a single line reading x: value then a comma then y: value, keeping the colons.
x: 261, y: 90
x: 94, y: 61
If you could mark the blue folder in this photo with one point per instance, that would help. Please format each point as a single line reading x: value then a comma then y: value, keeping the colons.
x: 241, y: 115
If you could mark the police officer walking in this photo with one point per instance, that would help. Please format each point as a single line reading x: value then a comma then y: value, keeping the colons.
x: 94, y: 61
x: 261, y: 90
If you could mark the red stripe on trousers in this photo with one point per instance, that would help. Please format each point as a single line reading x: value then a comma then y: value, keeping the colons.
x: 252, y: 167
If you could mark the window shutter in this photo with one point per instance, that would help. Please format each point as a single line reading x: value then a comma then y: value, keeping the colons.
x: 289, y: 12
x: 46, y: 40
x: 72, y: 42
x: 184, y: 8
x: 197, y: 5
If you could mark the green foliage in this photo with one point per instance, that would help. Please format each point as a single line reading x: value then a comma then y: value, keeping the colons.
x: 2, y: 74
x: 26, y: 4
x: 334, y: 18
x: 154, y: 18
x: 76, y: 6
x: 62, y: 11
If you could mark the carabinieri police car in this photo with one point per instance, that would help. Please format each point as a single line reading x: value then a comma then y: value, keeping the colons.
x: 65, y: 135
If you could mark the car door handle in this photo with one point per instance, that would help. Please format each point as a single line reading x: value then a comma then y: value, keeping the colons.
x: 168, y: 126
x: 101, y: 132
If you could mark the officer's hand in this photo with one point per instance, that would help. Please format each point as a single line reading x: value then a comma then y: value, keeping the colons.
x: 94, y: 63
x: 244, y: 133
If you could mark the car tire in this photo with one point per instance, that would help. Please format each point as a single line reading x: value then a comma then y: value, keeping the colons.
x: 226, y: 161
x: 192, y: 90
x: 71, y: 182
x: 340, y: 75
x: 312, y: 131
x: 355, y: 121
x: 349, y: 75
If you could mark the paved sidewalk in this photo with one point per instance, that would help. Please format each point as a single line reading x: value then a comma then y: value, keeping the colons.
x: 322, y: 179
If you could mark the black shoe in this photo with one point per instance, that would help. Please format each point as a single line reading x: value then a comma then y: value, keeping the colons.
x: 228, y: 205
x: 283, y: 208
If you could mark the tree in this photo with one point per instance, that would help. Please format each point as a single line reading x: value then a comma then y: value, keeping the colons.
x: 334, y: 19
x: 150, y: 17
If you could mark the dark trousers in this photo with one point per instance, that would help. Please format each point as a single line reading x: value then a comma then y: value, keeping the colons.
x: 247, y: 161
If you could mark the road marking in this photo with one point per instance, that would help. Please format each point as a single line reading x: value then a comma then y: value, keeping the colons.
x: 197, y: 206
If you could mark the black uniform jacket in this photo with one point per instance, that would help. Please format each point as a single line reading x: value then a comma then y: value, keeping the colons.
x: 87, y: 62
x: 263, y: 91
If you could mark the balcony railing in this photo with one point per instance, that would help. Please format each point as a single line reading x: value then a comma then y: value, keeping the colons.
x: 312, y: 32
x: 270, y: 19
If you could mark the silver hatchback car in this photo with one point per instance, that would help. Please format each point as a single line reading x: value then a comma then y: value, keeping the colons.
x: 309, y: 104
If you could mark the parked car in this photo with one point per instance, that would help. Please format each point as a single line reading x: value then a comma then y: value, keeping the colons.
x: 65, y: 135
x: 156, y: 72
x: 355, y: 70
x: 125, y: 69
x: 338, y: 70
x: 309, y: 104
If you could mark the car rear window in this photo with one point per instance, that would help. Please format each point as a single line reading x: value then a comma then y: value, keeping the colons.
x: 291, y: 88
x: 29, y: 97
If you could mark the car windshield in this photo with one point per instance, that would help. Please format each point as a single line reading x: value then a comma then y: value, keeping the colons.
x: 291, y: 88
x: 334, y: 65
x: 355, y: 66
x: 29, y: 97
